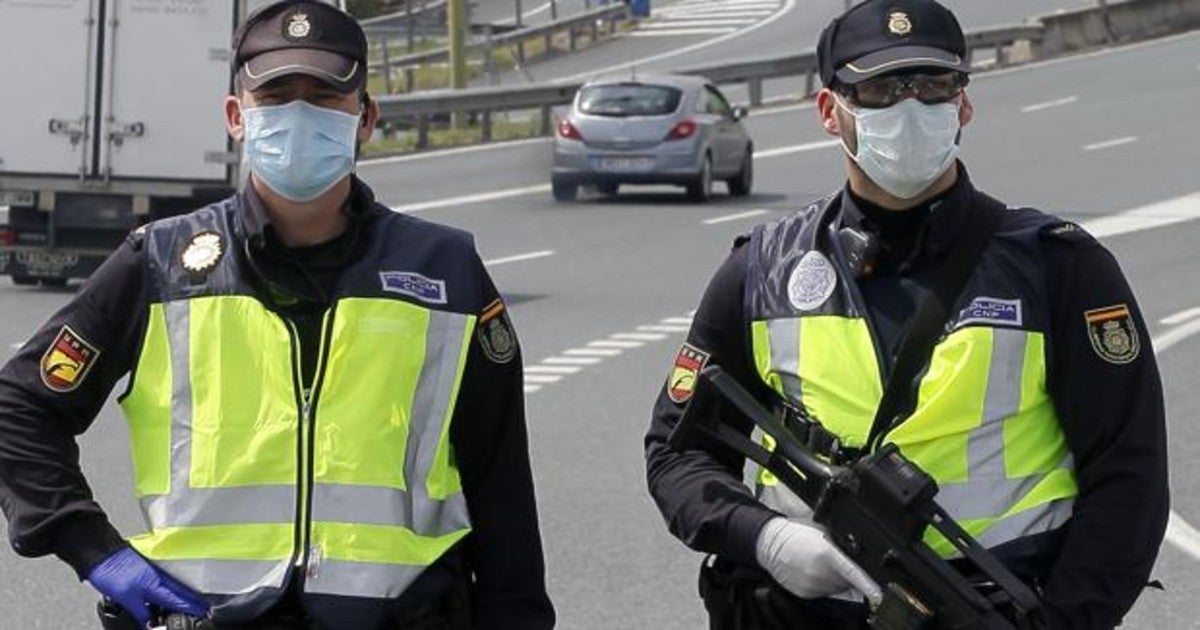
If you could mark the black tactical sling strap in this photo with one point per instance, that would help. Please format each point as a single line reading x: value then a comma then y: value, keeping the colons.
x: 924, y: 328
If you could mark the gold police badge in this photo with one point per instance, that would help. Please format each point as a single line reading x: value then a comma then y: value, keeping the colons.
x: 203, y: 253
x: 1113, y: 334
x: 899, y: 24
x: 298, y: 26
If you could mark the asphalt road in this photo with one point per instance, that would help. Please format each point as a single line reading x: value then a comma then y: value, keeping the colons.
x: 622, y: 275
x: 793, y: 26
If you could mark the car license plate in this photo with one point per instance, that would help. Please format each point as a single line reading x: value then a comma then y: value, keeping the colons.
x: 625, y: 164
x: 16, y: 198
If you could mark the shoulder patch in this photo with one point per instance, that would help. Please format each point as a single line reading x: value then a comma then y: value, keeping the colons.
x: 495, y: 333
x: 681, y: 384
x: 67, y: 361
x: 1113, y: 334
x: 1067, y: 232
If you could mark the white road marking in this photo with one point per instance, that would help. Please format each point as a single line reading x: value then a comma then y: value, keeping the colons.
x: 611, y: 343
x: 720, y: 13
x: 1049, y: 104
x: 519, y: 258
x: 640, y: 336
x: 543, y: 378
x: 592, y: 352
x: 426, y: 155
x: 787, y: 8
x: 678, y: 32
x: 553, y: 369
x: 1148, y: 217
x: 476, y: 198
x: 735, y: 217
x: 690, y: 23
x: 572, y: 360
x: 678, y: 320
x: 1181, y: 317
x: 529, y: 389
x: 798, y: 148
x: 1179, y: 532
x: 1108, y: 144
x: 665, y: 329
x: 16, y: 346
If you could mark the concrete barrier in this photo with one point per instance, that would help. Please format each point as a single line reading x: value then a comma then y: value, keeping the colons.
x: 1131, y: 20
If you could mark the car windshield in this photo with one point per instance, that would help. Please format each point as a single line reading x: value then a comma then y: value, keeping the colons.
x: 629, y: 100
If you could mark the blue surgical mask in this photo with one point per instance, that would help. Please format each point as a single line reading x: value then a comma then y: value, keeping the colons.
x: 300, y: 150
x: 906, y: 147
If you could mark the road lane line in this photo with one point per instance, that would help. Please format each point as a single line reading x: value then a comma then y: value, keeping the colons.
x: 1179, y: 532
x: 553, y: 369
x: 640, y: 336
x: 529, y: 389
x: 469, y: 199
x: 678, y: 320
x: 572, y: 360
x: 799, y: 148
x: 543, y: 378
x: 696, y: 23
x: 1049, y: 104
x: 1181, y: 317
x: 735, y: 217
x: 1155, y: 215
x: 519, y: 258
x: 665, y: 329
x: 643, y: 62
x: 1108, y: 144
x: 592, y: 352
x: 15, y: 346
x: 609, y: 343
x: 427, y: 155
x: 676, y: 32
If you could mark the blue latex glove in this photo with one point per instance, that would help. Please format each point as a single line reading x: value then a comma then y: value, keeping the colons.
x: 130, y: 580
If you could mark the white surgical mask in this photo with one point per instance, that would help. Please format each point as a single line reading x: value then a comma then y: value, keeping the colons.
x: 300, y: 150
x: 906, y: 147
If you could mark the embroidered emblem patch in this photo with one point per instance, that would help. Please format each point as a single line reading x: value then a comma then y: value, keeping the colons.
x: 297, y: 27
x: 899, y: 23
x: 682, y: 382
x: 202, y: 253
x: 1113, y: 334
x: 495, y: 333
x: 991, y: 311
x: 812, y: 282
x: 414, y: 285
x: 67, y: 361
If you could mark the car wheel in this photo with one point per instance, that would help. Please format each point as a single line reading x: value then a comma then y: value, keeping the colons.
x: 740, y: 186
x: 608, y: 189
x: 563, y: 191
x: 700, y: 190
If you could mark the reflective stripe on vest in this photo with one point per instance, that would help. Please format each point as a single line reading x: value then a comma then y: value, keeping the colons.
x: 214, y: 404
x: 984, y: 426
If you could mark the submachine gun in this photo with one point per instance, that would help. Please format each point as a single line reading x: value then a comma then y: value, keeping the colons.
x: 876, y: 510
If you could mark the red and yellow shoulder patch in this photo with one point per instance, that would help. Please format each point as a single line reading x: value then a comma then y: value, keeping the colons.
x: 682, y: 382
x: 67, y: 361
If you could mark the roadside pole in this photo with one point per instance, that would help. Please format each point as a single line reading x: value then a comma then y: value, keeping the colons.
x: 456, y: 13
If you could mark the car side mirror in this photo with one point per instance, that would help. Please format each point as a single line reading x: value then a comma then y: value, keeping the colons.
x: 740, y: 113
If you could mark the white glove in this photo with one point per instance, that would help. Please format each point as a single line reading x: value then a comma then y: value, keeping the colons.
x: 807, y: 564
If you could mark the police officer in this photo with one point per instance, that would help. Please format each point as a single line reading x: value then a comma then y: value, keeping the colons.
x: 1039, y: 410
x: 325, y: 406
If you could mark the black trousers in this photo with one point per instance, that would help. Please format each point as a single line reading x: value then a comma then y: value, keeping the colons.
x: 746, y: 598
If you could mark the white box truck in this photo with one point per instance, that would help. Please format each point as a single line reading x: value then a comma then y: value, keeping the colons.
x: 110, y: 116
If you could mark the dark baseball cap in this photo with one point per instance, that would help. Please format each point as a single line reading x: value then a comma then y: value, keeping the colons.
x: 881, y: 36
x: 301, y: 37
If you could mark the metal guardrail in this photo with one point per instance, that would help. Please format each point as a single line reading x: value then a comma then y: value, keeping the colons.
x: 486, y: 101
x: 587, y: 21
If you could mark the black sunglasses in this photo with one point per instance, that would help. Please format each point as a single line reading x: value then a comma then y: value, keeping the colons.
x: 887, y: 90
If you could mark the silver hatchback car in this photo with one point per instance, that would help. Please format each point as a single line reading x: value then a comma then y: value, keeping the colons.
x: 662, y: 129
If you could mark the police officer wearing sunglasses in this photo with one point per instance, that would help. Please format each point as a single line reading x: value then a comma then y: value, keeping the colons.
x: 1038, y: 409
x: 325, y: 397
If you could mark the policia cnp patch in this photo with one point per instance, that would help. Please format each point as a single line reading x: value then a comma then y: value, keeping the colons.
x: 495, y: 333
x: 1113, y: 333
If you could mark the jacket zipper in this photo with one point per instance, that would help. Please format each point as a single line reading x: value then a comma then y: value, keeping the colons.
x: 307, y: 403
